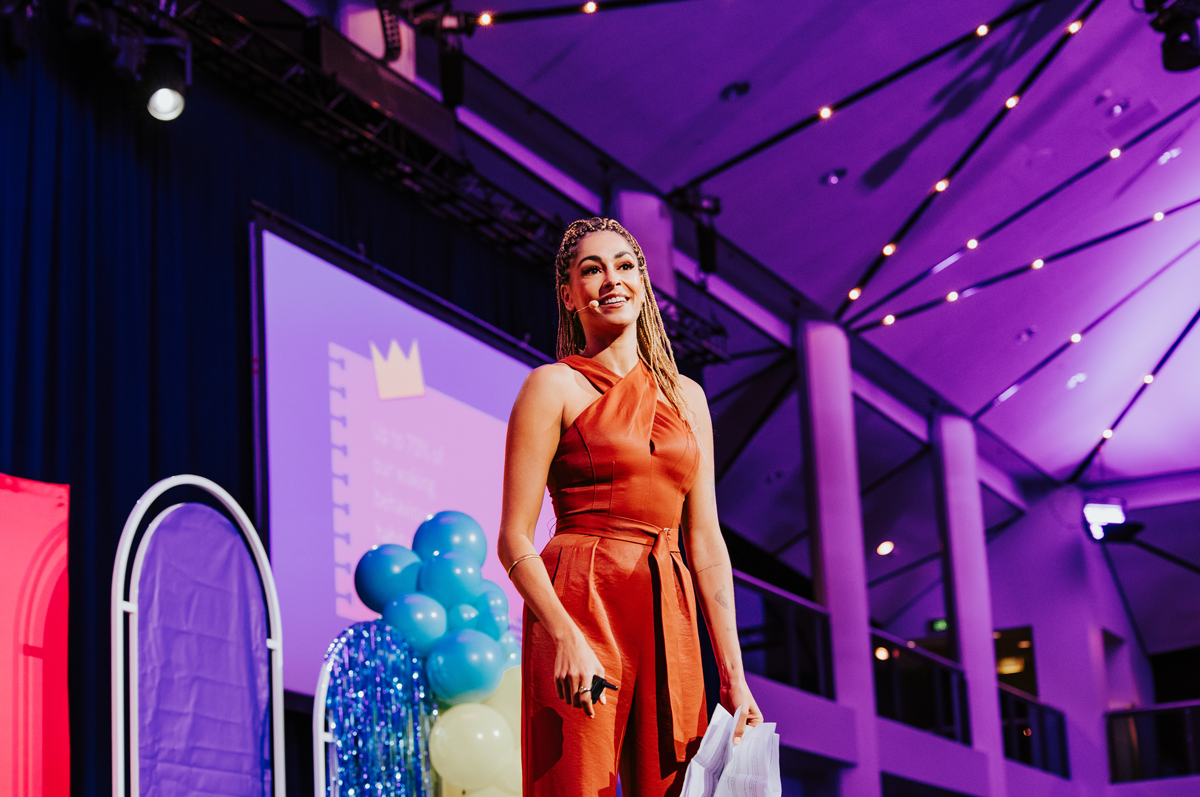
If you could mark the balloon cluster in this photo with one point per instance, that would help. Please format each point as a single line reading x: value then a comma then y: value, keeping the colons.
x: 457, y: 621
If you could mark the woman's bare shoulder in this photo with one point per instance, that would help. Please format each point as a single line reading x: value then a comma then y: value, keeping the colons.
x: 692, y: 391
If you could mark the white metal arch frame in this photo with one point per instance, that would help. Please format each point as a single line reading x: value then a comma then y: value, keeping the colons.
x: 125, y: 602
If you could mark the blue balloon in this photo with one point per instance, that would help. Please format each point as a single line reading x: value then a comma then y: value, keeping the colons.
x: 452, y: 578
x: 419, y: 618
x: 450, y: 531
x: 465, y: 667
x: 464, y: 615
x: 492, y: 624
x: 492, y: 600
x: 511, y: 649
x: 384, y: 572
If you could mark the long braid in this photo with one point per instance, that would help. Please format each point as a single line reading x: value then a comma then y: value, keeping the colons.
x: 654, y: 347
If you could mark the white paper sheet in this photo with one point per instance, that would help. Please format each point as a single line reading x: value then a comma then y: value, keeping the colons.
x: 723, y: 769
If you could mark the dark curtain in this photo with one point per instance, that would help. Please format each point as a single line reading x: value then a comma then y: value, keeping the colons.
x: 124, y: 301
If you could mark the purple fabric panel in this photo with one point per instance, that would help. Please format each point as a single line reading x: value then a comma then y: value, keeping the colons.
x: 203, y: 669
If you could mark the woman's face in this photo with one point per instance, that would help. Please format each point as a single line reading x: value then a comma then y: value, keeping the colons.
x: 605, y: 270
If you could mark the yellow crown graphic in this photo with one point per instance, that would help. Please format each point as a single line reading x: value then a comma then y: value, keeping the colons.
x: 398, y: 376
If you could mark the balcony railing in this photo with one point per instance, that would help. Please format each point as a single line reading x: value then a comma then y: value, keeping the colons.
x: 1034, y: 733
x: 784, y: 637
x: 919, y: 688
x: 1158, y: 742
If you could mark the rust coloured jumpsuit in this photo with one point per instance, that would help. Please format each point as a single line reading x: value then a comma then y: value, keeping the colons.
x: 618, y: 481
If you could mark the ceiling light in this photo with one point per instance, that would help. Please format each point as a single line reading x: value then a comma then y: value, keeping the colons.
x: 589, y: 8
x: 1169, y: 155
x: 1114, y: 153
x: 1097, y: 515
x: 941, y: 185
x: 1012, y: 101
x: 1107, y: 434
x: 952, y: 296
x: 1076, y: 338
x: 1038, y: 263
x: 855, y: 293
x: 973, y: 244
x: 982, y: 31
x: 889, y: 250
x: 888, y: 320
x: 885, y: 548
x: 1159, y: 216
x: 825, y: 112
x: 1148, y: 378
x: 485, y: 19
x: 881, y: 654
x: 1074, y: 26
x: 166, y: 76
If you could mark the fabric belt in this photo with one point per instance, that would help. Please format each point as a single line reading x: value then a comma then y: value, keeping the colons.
x: 662, y: 543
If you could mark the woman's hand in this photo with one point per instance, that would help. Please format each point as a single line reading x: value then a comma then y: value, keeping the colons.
x: 574, y: 666
x: 738, y: 694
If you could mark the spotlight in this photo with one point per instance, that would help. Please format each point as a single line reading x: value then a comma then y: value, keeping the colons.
x: 982, y: 31
x: 1148, y: 378
x: 589, y: 8
x: 889, y: 250
x: 888, y: 320
x: 1114, y: 153
x: 952, y: 296
x: 855, y: 293
x: 1177, y: 22
x: 1101, y: 513
x: 1038, y: 264
x: 825, y: 113
x: 485, y: 19
x: 1159, y: 216
x: 973, y: 244
x: 885, y: 548
x: 1011, y: 102
x: 1074, y: 27
x: 941, y: 185
x: 1076, y: 338
x: 166, y: 75
x: 882, y: 654
x: 703, y: 208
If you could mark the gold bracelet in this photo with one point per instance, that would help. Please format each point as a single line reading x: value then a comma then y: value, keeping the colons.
x: 520, y: 559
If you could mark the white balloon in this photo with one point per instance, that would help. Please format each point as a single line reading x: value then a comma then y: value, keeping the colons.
x: 509, y: 779
x: 470, y: 744
x: 507, y: 700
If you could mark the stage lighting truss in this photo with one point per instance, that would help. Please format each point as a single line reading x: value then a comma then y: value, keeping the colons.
x: 1177, y: 21
x: 695, y: 340
x: 231, y: 47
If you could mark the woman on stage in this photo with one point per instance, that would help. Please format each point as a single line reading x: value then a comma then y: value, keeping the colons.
x: 625, y: 445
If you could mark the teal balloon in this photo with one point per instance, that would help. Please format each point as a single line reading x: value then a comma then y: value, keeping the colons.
x: 511, y: 649
x: 450, y: 531
x: 451, y: 578
x: 420, y: 619
x: 492, y: 624
x: 465, y: 667
x: 492, y: 600
x: 384, y: 572
x: 464, y: 615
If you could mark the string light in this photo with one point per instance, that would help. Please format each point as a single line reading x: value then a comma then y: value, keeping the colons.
x: 982, y: 31
x: 941, y: 185
x: 485, y: 19
x: 1021, y: 212
x: 1148, y: 378
x: 825, y: 112
x: 888, y: 320
x: 855, y: 293
x: 1037, y: 264
x: 589, y: 8
x: 973, y: 243
x: 1159, y: 216
x: 1107, y: 434
x: 952, y: 296
x: 1114, y: 153
x: 1011, y: 102
x: 1076, y: 338
x: 1074, y: 26
x: 889, y: 250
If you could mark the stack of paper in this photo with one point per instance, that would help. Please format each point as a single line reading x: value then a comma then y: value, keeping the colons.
x: 722, y: 769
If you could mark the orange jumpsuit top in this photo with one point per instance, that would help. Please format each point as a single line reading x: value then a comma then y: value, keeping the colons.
x: 618, y: 481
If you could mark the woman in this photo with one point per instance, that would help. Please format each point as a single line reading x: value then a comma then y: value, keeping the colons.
x: 625, y: 445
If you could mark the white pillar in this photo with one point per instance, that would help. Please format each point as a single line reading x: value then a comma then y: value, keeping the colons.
x: 648, y: 219
x: 835, y: 517
x: 963, y: 532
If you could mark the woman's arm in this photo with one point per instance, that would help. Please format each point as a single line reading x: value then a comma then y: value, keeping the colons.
x: 534, y: 430
x: 711, y: 570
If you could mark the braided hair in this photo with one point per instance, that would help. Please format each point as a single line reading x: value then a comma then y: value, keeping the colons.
x: 654, y: 347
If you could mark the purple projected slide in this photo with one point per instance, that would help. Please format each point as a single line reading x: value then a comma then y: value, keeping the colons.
x: 378, y: 415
